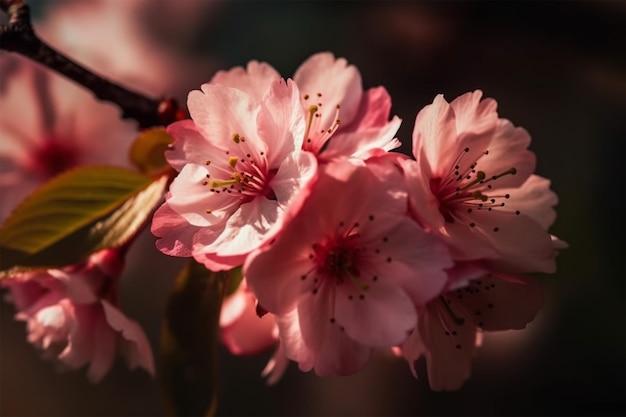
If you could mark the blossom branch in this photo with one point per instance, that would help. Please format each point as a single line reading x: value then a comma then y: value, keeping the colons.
x: 19, y: 36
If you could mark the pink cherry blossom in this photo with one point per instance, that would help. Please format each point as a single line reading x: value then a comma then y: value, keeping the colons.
x: 72, y: 315
x: 49, y: 125
x: 240, y: 167
x: 472, y: 184
x: 450, y: 326
x: 346, y: 273
x: 334, y: 102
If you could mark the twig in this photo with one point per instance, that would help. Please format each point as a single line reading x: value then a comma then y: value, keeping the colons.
x: 19, y: 36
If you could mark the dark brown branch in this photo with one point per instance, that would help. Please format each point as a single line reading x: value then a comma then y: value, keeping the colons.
x: 18, y: 36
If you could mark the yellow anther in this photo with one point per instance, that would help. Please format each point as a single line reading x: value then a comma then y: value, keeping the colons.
x: 479, y: 196
x: 236, y: 137
x: 232, y: 161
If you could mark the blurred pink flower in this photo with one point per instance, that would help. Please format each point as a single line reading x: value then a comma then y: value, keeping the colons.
x: 110, y: 37
x: 346, y: 273
x: 72, y: 315
x: 472, y: 184
x: 240, y: 167
x: 245, y: 333
x: 336, y: 106
x: 49, y: 125
x: 450, y: 326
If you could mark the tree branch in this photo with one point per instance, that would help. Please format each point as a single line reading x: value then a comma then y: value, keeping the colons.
x: 19, y: 36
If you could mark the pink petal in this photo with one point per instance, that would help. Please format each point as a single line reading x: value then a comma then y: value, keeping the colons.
x: 189, y: 145
x: 407, y: 256
x: 498, y: 302
x: 274, y: 273
x: 138, y: 351
x: 234, y: 306
x: 293, y: 179
x: 522, y: 244
x: 220, y: 111
x: 334, y: 351
x: 77, y: 285
x: 533, y: 199
x: 291, y: 341
x: 246, y: 228
x: 437, y: 135
x: 80, y: 348
x: 174, y: 232
x: 374, y: 110
x: 473, y: 114
x: 104, y: 342
x: 412, y: 348
x: 216, y: 263
x: 434, y: 136
x: 378, y: 317
x: 281, y: 122
x: 336, y: 81
x: 449, y: 347
x: 424, y: 204
x: 361, y: 143
x: 191, y: 199
x: 276, y: 366
x: 508, y: 149
x: 249, y: 334
x: 254, y: 79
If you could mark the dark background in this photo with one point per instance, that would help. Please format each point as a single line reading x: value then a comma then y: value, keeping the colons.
x: 555, y: 68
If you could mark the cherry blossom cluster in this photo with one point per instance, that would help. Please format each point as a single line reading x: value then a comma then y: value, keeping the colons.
x: 347, y: 246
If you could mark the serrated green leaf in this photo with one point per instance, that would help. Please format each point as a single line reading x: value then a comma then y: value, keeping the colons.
x: 189, y: 340
x: 76, y: 214
x: 148, y: 151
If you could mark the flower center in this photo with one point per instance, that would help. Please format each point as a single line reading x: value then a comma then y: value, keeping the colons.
x: 245, y: 174
x: 470, y: 190
x: 52, y: 157
x: 336, y: 257
x: 316, y: 135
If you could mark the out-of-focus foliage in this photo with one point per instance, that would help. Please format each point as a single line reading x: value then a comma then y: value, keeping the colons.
x: 189, y: 341
x: 147, y: 152
x: 75, y: 214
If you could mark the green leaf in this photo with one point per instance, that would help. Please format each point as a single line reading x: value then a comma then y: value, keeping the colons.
x: 148, y: 151
x: 189, y: 340
x: 75, y: 214
x: 235, y: 276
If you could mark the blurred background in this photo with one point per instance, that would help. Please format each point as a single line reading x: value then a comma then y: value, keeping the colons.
x: 555, y: 68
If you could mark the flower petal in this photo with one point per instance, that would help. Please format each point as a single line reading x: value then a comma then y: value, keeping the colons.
x: 254, y: 79
x: 334, y: 351
x: 220, y: 111
x: 378, y: 317
x: 533, y: 199
x: 331, y: 82
x: 189, y: 145
x: 137, y: 350
x: 498, y: 302
x: 104, y: 343
x: 281, y: 121
x: 508, y: 149
x: 449, y: 347
x: 174, y: 232
x: 249, y: 334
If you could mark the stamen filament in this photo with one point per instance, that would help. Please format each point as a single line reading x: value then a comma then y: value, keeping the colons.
x: 457, y: 320
x: 312, y: 112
